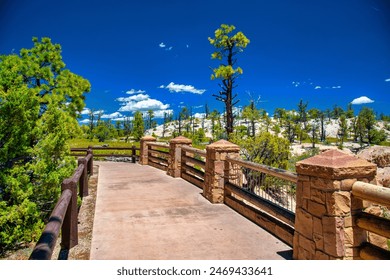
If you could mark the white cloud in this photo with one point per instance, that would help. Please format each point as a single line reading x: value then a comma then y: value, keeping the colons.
x: 317, y: 87
x: 200, y: 115
x: 85, y: 111
x: 296, y: 84
x: 159, y: 114
x: 133, y: 98
x: 143, y: 103
x: 387, y: 80
x: 122, y: 118
x: 98, y: 112
x: 164, y: 46
x: 362, y: 100
x: 334, y: 87
x: 133, y: 91
x: 112, y: 116
x: 187, y: 46
x: 172, y: 87
x: 85, y: 121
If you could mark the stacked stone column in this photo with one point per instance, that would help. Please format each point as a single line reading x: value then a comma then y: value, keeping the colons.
x: 325, y: 225
x: 174, y: 161
x: 216, y: 154
x: 143, y: 159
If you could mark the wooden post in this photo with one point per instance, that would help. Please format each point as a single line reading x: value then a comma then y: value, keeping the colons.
x: 90, y: 162
x: 69, y: 237
x: 83, y: 181
x: 133, y: 154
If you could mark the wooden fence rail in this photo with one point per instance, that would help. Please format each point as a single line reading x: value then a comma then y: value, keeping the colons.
x: 158, y: 154
x: 193, y: 165
x: 372, y: 223
x: 78, y: 152
x: 271, y: 207
x: 64, y: 215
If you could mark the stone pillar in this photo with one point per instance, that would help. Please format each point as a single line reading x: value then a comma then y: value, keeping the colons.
x: 325, y: 209
x: 214, y: 181
x: 143, y: 153
x: 174, y: 160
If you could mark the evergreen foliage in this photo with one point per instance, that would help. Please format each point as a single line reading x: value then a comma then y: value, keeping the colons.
x: 265, y: 148
x: 227, y: 47
x: 138, y: 126
x: 39, y: 103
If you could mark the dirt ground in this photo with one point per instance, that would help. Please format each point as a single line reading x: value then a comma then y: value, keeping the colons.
x: 86, y: 217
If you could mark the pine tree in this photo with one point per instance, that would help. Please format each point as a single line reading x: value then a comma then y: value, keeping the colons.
x: 138, y: 126
x: 39, y: 103
x: 227, y: 47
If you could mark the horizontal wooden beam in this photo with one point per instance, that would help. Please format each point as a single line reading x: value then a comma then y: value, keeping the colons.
x: 194, y: 150
x: 371, y: 252
x: 280, y: 213
x: 373, y: 193
x: 157, y: 144
x: 191, y: 170
x: 185, y: 159
x: 263, y: 219
x: 193, y: 180
x: 276, y: 172
x: 44, y: 248
x: 375, y: 224
x: 103, y: 148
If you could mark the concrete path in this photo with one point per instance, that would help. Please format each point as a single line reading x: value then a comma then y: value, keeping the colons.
x: 143, y: 214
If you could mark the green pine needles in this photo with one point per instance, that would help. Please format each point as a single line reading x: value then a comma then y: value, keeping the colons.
x: 39, y: 104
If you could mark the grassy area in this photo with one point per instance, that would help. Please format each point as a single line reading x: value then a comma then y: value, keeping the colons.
x: 84, y: 143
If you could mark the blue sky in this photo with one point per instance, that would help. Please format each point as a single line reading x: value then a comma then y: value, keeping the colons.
x: 154, y: 54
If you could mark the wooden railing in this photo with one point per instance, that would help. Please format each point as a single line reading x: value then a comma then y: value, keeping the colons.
x: 64, y: 215
x: 193, y: 165
x: 134, y: 155
x: 372, y: 223
x: 158, y: 154
x: 267, y: 201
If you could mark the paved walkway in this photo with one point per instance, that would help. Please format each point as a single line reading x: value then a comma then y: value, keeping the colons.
x: 143, y: 214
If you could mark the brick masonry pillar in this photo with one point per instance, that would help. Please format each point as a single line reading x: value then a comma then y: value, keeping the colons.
x: 143, y: 153
x: 325, y: 210
x: 174, y: 160
x: 216, y: 154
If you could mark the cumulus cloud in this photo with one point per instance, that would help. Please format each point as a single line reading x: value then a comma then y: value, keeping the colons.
x: 85, y: 121
x: 133, y: 91
x: 159, y: 114
x: 85, y: 111
x: 133, y: 98
x: 387, y: 80
x: 143, y: 102
x: 145, y: 105
x: 200, y: 115
x: 317, y: 87
x: 162, y: 45
x: 172, y: 87
x: 334, y: 87
x: 112, y: 116
x: 362, y: 100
